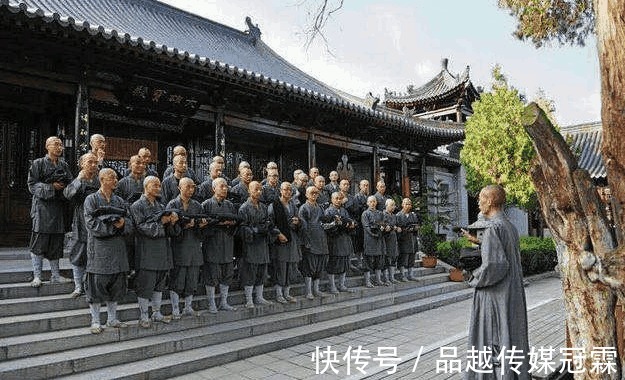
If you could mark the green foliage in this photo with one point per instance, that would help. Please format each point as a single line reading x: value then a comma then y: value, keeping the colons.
x: 428, y: 237
x: 449, y: 251
x: 564, y: 21
x: 538, y: 255
x: 497, y: 149
x: 440, y: 204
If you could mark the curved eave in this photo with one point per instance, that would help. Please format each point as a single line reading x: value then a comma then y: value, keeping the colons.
x: 400, y: 123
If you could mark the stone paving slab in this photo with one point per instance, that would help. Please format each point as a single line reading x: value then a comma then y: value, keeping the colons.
x: 446, y: 325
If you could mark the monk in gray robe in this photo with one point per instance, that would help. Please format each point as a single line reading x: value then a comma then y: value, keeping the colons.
x: 107, y: 263
x: 239, y: 193
x: 323, y: 200
x: 258, y: 231
x: 218, y: 246
x: 84, y: 184
x: 408, y: 221
x: 499, y: 315
x: 285, y: 249
x: 47, y: 177
x: 271, y: 188
x: 153, y: 228
x: 339, y: 243
x: 205, y: 190
x: 171, y: 183
x: 373, y: 244
x: 391, y: 252
x: 360, y: 205
x: 130, y: 189
x: 186, y: 247
x: 180, y: 150
x: 315, y: 252
x: 380, y: 195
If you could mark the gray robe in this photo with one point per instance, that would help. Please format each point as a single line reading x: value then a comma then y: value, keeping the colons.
x: 47, y: 204
x: 151, y: 238
x: 186, y: 245
x: 205, y: 190
x: 169, y: 189
x: 406, y: 240
x: 189, y: 174
x: 289, y: 251
x: 218, y: 246
x: 381, y: 199
x: 129, y: 188
x: 106, y: 247
x: 390, y: 237
x: 499, y: 315
x: 313, y: 234
x: 270, y: 194
x: 76, y: 192
x: 259, y: 232
x: 373, y: 242
x: 238, y: 194
x: 339, y: 239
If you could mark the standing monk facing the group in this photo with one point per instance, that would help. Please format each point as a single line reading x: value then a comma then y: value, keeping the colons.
x: 499, y: 315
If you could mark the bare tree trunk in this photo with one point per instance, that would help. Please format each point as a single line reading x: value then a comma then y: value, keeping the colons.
x: 610, y: 28
x: 592, y: 274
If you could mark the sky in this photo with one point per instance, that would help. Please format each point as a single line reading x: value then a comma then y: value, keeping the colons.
x: 378, y: 44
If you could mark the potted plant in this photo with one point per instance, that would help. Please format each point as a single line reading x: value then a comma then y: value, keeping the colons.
x: 449, y: 252
x: 428, y: 240
x: 440, y: 205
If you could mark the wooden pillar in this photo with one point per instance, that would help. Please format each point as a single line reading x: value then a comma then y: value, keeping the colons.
x: 376, y: 166
x: 81, y: 122
x: 312, y: 159
x: 405, y: 180
x: 220, y: 135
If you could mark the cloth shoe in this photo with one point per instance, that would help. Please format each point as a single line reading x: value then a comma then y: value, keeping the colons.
x: 36, y: 282
x: 260, y: 300
x: 279, y: 297
x: 316, y: 291
x: 287, y: 296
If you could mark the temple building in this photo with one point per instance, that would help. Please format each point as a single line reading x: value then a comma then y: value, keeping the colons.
x: 143, y: 73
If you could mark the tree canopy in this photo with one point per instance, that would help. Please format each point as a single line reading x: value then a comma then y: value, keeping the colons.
x: 497, y: 149
x: 564, y: 21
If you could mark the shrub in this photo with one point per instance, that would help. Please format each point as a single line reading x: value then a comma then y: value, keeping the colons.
x: 449, y: 251
x: 538, y: 255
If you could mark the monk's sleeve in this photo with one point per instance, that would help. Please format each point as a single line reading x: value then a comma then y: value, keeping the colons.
x: 495, y: 264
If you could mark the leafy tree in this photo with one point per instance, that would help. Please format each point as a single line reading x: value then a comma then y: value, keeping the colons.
x: 497, y: 149
x: 592, y: 254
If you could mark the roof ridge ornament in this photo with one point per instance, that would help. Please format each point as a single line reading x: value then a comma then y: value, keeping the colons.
x: 444, y: 63
x: 253, y: 30
x: 371, y: 101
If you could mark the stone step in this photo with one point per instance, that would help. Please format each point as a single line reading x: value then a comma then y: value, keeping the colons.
x: 14, y: 271
x: 76, y: 316
x: 24, y: 290
x: 331, y: 318
x: 195, y: 359
x: 14, y: 254
x: 36, y: 344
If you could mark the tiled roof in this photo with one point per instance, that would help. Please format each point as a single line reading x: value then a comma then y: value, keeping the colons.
x: 443, y: 85
x: 585, y: 141
x: 165, y: 30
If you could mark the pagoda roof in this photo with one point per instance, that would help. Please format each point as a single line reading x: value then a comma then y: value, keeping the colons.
x: 585, y: 141
x: 443, y: 86
x: 241, y: 55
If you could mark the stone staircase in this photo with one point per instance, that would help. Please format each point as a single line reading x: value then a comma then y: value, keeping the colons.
x: 44, y: 333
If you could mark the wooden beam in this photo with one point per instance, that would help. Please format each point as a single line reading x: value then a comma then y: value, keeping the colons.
x: 312, y: 155
x: 220, y: 135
